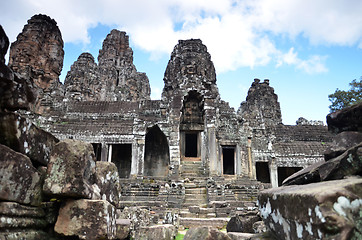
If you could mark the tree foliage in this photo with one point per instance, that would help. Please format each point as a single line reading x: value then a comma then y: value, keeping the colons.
x: 341, y: 99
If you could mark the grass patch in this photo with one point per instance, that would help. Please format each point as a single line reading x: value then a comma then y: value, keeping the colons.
x: 179, y: 236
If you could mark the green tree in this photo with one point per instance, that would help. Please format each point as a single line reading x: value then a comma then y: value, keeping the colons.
x: 341, y: 99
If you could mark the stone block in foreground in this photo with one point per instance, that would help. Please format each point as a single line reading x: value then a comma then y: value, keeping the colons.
x: 71, y: 170
x: 19, y: 180
x: 205, y: 233
x: 87, y: 219
x: 108, y: 182
x: 21, y: 135
x: 325, y: 210
x: 159, y: 232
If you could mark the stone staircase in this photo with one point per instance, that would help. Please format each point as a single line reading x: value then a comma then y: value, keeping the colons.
x: 192, y: 168
x: 195, y: 194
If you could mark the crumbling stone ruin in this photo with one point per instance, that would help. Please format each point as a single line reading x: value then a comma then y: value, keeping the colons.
x: 327, y: 196
x: 98, y: 144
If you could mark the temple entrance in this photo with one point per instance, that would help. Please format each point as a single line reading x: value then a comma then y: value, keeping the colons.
x: 191, y: 145
x: 97, y: 148
x: 157, y: 155
x: 228, y: 158
x: 284, y: 172
x: 122, y: 158
x: 191, y: 126
x: 262, y: 172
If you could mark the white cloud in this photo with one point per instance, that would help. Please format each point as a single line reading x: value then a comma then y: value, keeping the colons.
x: 314, y: 64
x: 237, y: 33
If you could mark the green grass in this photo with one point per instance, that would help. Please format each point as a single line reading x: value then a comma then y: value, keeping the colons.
x: 179, y: 236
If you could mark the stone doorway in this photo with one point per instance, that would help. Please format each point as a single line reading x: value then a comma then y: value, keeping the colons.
x: 262, y: 172
x: 228, y: 158
x: 284, y: 172
x: 190, y: 146
x: 122, y: 158
x: 97, y: 147
x: 157, y: 155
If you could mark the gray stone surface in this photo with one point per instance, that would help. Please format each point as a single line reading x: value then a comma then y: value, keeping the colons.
x: 342, y: 142
x: 23, y: 136
x: 205, y: 233
x: 347, y: 119
x: 244, y: 223
x: 347, y: 164
x: 330, y: 209
x: 87, y: 219
x: 123, y: 228
x: 161, y: 232
x: 19, y: 180
x: 107, y: 180
x: 71, y: 170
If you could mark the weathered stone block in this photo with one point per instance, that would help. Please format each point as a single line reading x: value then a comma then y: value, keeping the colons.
x: 123, y: 228
x: 139, y: 218
x: 108, y: 182
x: 87, y: 219
x: 347, y: 164
x: 161, y: 232
x: 19, y: 180
x: 347, y: 119
x: 205, y: 233
x: 330, y: 209
x: 71, y: 170
x: 242, y: 224
x: 22, y: 136
x: 194, y: 209
x: 341, y: 143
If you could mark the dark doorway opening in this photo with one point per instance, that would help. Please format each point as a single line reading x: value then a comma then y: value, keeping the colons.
x: 228, y: 156
x: 157, y: 156
x: 284, y: 172
x: 191, y: 145
x: 97, y: 148
x: 262, y: 172
x: 122, y: 158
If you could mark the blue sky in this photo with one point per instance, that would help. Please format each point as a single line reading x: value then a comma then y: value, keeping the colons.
x: 306, y: 48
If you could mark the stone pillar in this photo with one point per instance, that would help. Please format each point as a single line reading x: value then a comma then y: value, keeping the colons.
x: 134, y: 163
x: 213, y: 158
x: 237, y: 160
x: 104, y: 152
x: 273, y: 168
x: 109, y: 152
x: 140, y: 156
x: 250, y: 159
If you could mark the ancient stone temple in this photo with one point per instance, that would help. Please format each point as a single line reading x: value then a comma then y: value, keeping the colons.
x: 190, y: 132
x: 190, y: 148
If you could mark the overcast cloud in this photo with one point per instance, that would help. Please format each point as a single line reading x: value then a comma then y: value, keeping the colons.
x: 237, y: 33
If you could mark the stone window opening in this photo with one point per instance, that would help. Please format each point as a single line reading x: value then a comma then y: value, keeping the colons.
x: 157, y: 155
x: 193, y: 109
x: 97, y: 148
x: 228, y: 158
x: 284, y: 172
x: 262, y: 172
x: 122, y: 158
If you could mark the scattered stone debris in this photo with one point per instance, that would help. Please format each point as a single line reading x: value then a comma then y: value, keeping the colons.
x: 323, y: 201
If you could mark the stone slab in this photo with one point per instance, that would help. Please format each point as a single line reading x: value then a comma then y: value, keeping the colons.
x: 330, y: 209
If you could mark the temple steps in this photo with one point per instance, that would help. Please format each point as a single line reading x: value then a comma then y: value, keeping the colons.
x: 191, y: 169
x: 199, y: 222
